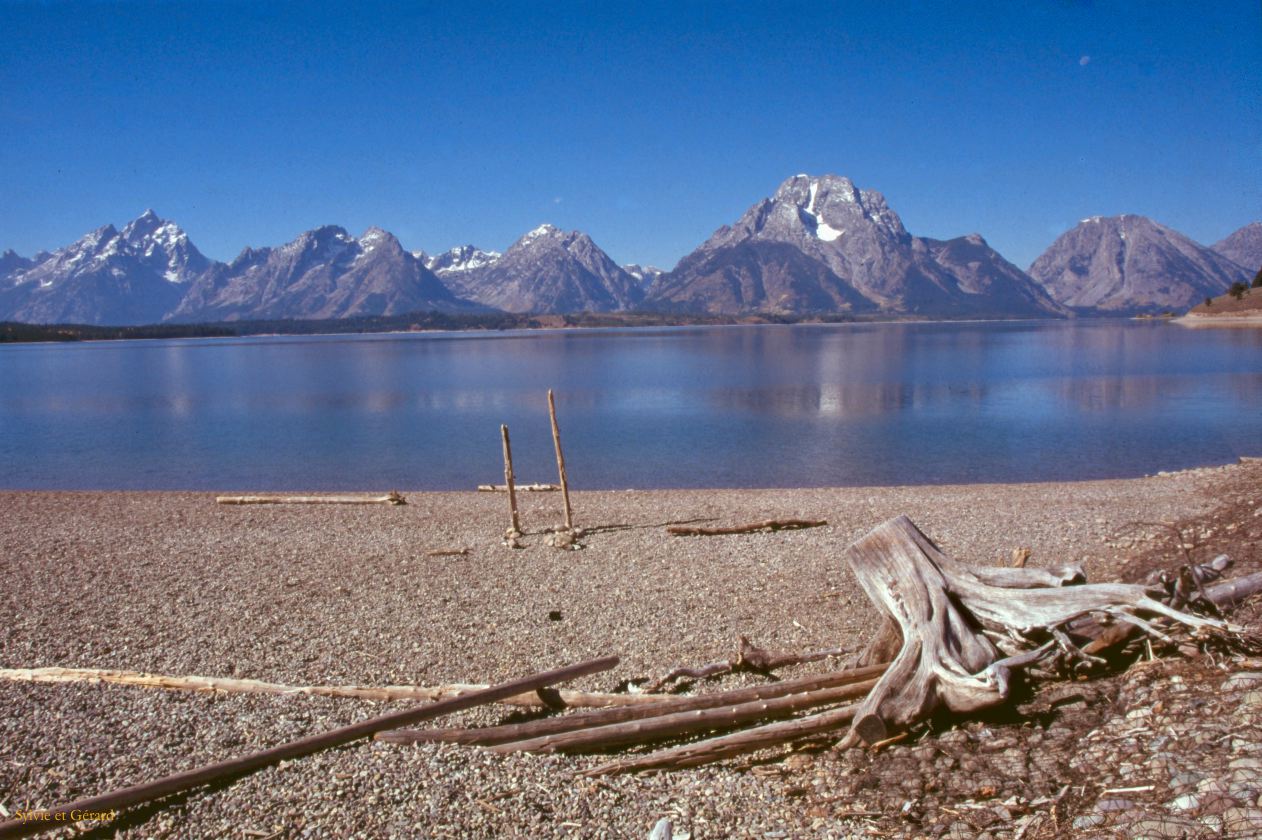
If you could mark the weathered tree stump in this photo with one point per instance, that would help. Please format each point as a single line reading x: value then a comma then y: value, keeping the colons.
x: 965, y: 628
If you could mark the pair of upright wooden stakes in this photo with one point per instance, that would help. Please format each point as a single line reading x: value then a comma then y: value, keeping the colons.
x: 515, y: 530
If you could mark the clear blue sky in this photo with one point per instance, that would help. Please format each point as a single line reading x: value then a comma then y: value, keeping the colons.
x: 646, y: 125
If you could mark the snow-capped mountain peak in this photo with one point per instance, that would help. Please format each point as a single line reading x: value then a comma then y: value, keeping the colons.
x: 462, y: 258
x: 543, y: 230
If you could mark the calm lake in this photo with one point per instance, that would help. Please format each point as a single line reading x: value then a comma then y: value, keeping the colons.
x: 760, y: 406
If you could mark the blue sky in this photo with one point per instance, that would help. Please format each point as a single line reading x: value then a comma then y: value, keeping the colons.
x: 647, y: 125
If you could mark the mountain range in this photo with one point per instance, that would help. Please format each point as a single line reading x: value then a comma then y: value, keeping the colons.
x: 818, y: 245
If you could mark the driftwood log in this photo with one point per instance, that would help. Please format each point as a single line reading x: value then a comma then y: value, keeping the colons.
x: 729, y: 746
x: 305, y: 746
x: 491, y: 735
x: 750, y: 528
x: 566, y: 697
x: 686, y: 723
x: 391, y: 498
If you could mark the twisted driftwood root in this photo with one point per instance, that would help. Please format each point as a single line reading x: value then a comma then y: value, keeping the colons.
x: 966, y: 629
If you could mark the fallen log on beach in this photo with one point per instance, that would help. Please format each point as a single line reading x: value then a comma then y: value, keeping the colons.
x: 659, y: 705
x: 178, y: 782
x: 391, y: 498
x: 751, y: 528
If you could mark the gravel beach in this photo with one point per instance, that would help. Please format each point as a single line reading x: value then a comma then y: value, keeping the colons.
x: 173, y: 583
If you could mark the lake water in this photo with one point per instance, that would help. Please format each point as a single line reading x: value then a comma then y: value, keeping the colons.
x: 763, y: 406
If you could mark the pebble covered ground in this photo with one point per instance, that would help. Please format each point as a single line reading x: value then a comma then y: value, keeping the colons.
x: 175, y: 584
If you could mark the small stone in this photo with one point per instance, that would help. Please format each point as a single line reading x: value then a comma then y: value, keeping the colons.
x: 1242, y: 822
x: 1088, y: 821
x: 1185, y: 802
x: 1242, y: 680
x: 1165, y: 827
x: 1113, y: 805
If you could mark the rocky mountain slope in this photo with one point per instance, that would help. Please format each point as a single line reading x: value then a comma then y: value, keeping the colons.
x: 822, y: 245
x: 324, y: 273
x: 133, y: 276
x: 1244, y: 247
x: 458, y: 268
x: 645, y: 275
x: 1131, y: 264
x: 550, y: 271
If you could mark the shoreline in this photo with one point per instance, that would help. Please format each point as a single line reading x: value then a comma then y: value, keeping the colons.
x: 172, y: 583
x: 751, y: 320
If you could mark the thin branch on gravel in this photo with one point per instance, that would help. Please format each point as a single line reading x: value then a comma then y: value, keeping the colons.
x: 751, y: 528
x: 391, y: 498
x: 529, y: 488
x: 575, y: 699
x: 748, y: 658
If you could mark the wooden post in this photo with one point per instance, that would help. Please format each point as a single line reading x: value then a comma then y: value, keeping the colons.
x: 304, y: 746
x: 508, y: 479
x: 556, y: 441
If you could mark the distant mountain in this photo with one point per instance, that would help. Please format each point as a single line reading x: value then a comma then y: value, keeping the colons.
x: 1131, y: 264
x: 982, y: 271
x: 1244, y: 247
x: 458, y: 268
x: 645, y: 275
x: 822, y: 245
x: 550, y: 271
x: 11, y: 263
x: 135, y: 276
x: 461, y: 259
x: 324, y: 273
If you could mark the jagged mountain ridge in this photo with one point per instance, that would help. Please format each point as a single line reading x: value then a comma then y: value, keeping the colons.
x: 1243, y: 247
x: 323, y: 273
x: 551, y: 271
x: 133, y: 276
x: 820, y: 244
x: 645, y: 275
x: 1130, y: 264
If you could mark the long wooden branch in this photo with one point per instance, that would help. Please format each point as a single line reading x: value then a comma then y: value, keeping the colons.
x: 304, y: 746
x: 727, y: 746
x: 685, y: 723
x: 753, y: 527
x: 491, y: 735
x: 575, y: 699
x: 391, y: 498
